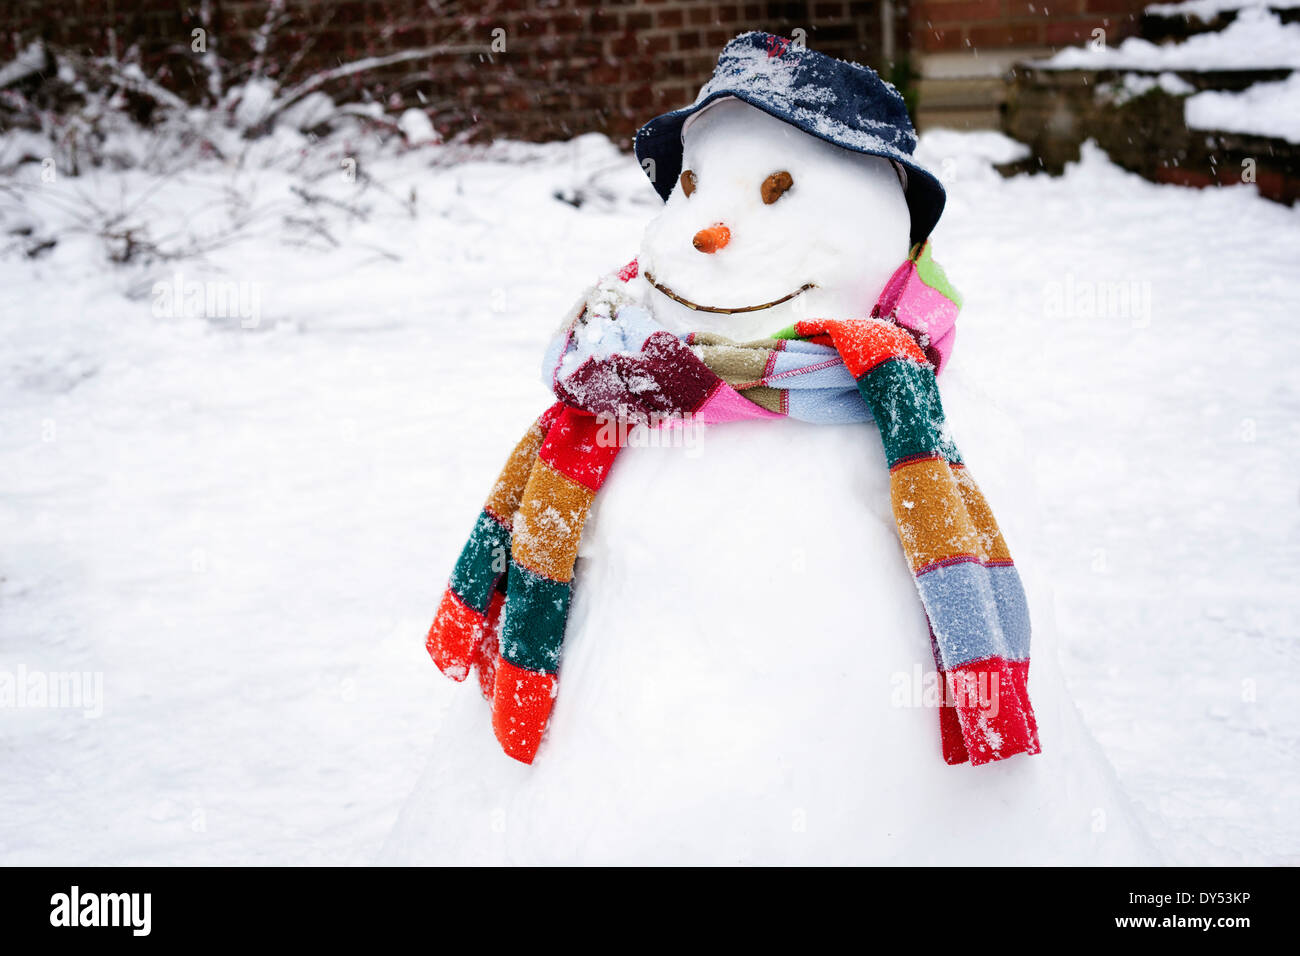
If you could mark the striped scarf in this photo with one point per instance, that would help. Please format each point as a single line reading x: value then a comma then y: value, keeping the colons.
x: 505, y: 608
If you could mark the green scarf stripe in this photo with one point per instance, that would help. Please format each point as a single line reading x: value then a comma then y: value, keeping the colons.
x: 932, y: 274
x: 786, y: 333
x: 904, y: 399
x: 536, y: 611
x: 481, y: 563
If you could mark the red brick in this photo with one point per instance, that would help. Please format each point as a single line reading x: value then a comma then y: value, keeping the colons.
x: 1077, y: 31
x: 585, y: 45
x: 640, y: 97
x: 1004, y: 35
x: 621, y: 46
x: 349, y: 13
x: 564, y: 22
x: 1021, y: 9
x: 606, y: 73
x: 940, y: 41
x: 603, y: 21
x: 673, y: 69
x: 1113, y: 6
x: 678, y: 94
x: 657, y: 43
x: 1183, y: 177
x: 948, y: 12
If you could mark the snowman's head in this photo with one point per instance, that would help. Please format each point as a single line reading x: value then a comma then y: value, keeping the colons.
x: 768, y: 225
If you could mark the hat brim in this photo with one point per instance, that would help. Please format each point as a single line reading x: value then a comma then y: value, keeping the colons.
x: 660, y: 140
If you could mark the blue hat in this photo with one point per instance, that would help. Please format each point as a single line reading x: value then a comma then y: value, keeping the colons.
x: 835, y: 100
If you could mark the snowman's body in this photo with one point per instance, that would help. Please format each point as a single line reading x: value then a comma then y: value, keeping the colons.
x: 747, y: 674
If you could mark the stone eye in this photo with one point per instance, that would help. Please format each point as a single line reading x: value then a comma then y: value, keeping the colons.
x: 774, y: 186
x: 688, y: 182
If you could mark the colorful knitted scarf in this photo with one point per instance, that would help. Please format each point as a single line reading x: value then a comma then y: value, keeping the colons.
x: 505, y: 608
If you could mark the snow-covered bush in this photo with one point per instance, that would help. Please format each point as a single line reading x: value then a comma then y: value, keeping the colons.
x: 66, y: 115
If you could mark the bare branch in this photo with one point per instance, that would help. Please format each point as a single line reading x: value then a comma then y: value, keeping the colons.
x: 323, y: 20
x: 324, y: 77
x: 128, y: 76
x: 275, y: 18
x: 211, y: 62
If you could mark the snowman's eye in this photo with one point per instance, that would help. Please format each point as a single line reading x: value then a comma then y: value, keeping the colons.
x: 688, y: 182
x: 774, y: 186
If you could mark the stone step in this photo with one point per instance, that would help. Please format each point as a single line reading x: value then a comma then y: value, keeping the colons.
x: 1231, y: 81
x: 960, y: 102
x: 1141, y: 126
x: 963, y: 118
x: 1216, y: 158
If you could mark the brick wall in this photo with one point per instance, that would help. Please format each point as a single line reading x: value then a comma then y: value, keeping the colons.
x: 944, y: 26
x: 568, y: 66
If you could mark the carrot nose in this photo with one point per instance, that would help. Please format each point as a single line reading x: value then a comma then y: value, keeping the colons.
x: 712, y: 239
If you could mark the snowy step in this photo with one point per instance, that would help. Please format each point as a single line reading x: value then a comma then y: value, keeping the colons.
x: 1256, y: 39
x: 1217, y: 107
x: 1270, y: 110
x: 1163, y: 22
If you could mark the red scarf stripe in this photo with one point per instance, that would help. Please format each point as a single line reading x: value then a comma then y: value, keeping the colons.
x: 864, y: 345
x: 576, y: 449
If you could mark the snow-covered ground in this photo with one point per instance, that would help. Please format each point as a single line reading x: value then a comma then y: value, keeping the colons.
x: 240, y: 523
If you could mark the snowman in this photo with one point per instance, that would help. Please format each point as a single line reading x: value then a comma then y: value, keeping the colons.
x: 696, y: 633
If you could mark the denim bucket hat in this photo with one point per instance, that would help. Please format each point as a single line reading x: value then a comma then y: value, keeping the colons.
x: 840, y: 102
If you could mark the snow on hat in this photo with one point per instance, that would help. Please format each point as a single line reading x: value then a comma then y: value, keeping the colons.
x: 835, y: 100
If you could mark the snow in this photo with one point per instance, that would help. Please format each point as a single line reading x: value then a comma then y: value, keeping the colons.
x: 1208, y: 9
x: 244, y: 530
x: 1135, y: 85
x: 309, y: 112
x: 1265, y: 109
x: 1256, y: 40
x: 254, y: 101
x: 31, y: 59
x: 417, y: 127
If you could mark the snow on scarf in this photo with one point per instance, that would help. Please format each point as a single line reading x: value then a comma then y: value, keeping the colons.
x: 505, y: 608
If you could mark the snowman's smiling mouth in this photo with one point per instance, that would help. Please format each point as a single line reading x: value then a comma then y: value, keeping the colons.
x: 713, y: 308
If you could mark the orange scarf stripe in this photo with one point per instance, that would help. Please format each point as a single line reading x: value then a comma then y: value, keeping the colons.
x: 933, y: 524
x: 548, y: 523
